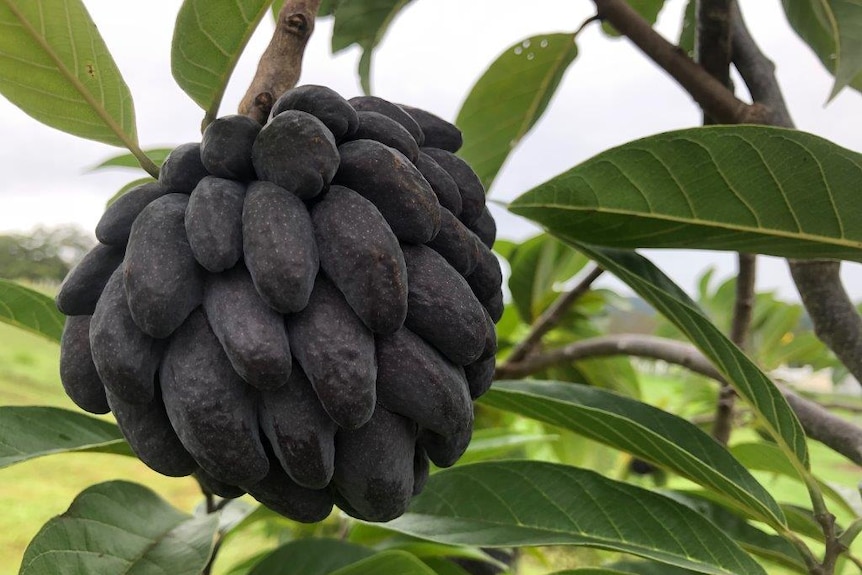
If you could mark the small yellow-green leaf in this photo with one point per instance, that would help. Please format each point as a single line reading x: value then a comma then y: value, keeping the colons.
x: 510, y: 97
x: 55, y: 66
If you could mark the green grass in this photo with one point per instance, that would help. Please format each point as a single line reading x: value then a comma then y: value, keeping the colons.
x: 35, y: 491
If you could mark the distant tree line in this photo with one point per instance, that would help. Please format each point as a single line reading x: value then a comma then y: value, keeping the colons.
x: 45, y: 254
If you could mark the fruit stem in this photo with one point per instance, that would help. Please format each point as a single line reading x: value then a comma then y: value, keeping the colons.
x: 281, y: 63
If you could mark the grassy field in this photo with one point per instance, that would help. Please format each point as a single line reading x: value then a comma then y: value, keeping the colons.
x: 33, y: 492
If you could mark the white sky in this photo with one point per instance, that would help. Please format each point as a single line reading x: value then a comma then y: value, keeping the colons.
x: 430, y: 58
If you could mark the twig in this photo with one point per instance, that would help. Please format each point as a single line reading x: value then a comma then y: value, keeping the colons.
x: 552, y: 316
x: 281, y: 63
x: 821, y: 425
x: 836, y: 321
x: 716, y: 100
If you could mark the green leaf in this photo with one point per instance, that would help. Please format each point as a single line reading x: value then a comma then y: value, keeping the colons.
x: 833, y: 29
x: 642, y: 430
x: 119, y: 528
x: 770, y: 458
x: 592, y: 571
x: 131, y: 185
x: 750, y: 538
x: 389, y: 562
x: 510, y: 97
x: 445, y: 567
x: 743, y: 374
x: 497, y: 443
x: 647, y: 9
x: 209, y: 38
x: 742, y: 188
x: 851, y: 533
x: 55, y: 66
x: 687, y: 30
x: 529, y: 503
x: 363, y: 22
x: 27, y: 432
x: 157, y: 155
x: 538, y: 265
x: 647, y: 568
x: 311, y: 557
x: 30, y: 310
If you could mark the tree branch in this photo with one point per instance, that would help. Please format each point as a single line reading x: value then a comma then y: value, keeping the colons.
x: 716, y: 100
x: 836, y: 321
x: 840, y: 435
x: 552, y: 316
x: 281, y: 63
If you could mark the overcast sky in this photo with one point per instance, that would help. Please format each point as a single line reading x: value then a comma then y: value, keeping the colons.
x: 430, y: 58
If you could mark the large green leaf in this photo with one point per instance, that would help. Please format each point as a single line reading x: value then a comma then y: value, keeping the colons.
x: 311, y: 557
x: 538, y: 265
x: 389, y: 562
x: 209, y: 37
x: 749, y: 537
x: 509, y: 99
x: 30, y: 310
x: 833, y: 29
x: 528, y: 503
x: 363, y: 22
x: 119, y: 528
x: 28, y: 432
x: 742, y: 188
x: 55, y: 66
x: 743, y: 374
x: 642, y: 430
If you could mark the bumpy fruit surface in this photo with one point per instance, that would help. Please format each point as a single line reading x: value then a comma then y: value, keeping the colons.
x: 302, y: 311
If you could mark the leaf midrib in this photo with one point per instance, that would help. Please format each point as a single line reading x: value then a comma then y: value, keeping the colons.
x: 769, y: 232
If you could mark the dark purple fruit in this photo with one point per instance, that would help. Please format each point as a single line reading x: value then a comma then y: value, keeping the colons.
x: 296, y: 151
x: 214, y: 223
x: 438, y: 132
x: 116, y: 223
x: 381, y: 106
x: 325, y: 104
x: 226, y: 147
x: 77, y: 371
x: 81, y: 289
x: 182, y: 169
